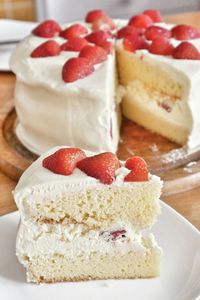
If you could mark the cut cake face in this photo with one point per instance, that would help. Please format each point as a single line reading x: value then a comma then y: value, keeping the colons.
x: 74, y: 227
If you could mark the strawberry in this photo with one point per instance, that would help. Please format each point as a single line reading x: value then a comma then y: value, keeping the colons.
x: 185, y: 32
x: 132, y: 43
x: 117, y: 234
x: 154, y: 32
x: 94, y: 54
x: 107, y: 46
x: 64, y: 160
x: 75, y: 30
x: 186, y: 51
x: 93, y: 15
x: 138, y: 167
x: 161, y: 46
x: 47, y: 29
x: 76, y: 68
x: 101, y: 166
x: 75, y: 44
x: 127, y: 31
x: 49, y: 48
x: 154, y: 14
x: 140, y: 21
x: 104, y: 22
x: 98, y: 36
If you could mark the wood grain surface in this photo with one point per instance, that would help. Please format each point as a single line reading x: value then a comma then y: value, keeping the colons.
x: 187, y: 203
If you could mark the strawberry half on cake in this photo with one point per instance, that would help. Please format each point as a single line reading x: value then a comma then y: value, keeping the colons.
x: 82, y: 216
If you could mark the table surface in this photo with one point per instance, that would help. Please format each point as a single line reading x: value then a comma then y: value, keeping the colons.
x: 187, y: 203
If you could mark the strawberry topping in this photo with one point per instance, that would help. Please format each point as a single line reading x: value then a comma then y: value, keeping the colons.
x: 185, y: 32
x: 76, y: 68
x: 154, y: 15
x: 138, y: 167
x: 75, y: 44
x: 64, y: 160
x: 140, y: 21
x: 49, y: 48
x: 47, y: 29
x: 107, y: 46
x: 98, y: 37
x: 94, y: 15
x: 186, y: 51
x: 94, y: 54
x: 104, y: 22
x: 154, y: 32
x: 101, y: 166
x: 161, y: 46
x: 127, y: 31
x: 75, y: 30
x: 132, y: 43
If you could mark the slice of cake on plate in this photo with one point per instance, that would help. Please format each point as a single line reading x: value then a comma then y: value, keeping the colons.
x: 82, y: 216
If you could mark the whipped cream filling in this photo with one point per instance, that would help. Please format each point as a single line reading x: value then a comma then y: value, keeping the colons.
x: 74, y: 240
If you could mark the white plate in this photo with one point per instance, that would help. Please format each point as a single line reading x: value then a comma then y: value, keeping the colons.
x: 12, y: 30
x: 179, y: 280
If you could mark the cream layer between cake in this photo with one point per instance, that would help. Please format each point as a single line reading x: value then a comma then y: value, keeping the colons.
x: 84, y: 113
x: 44, y: 196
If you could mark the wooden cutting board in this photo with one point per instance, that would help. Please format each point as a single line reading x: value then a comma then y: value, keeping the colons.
x: 179, y: 168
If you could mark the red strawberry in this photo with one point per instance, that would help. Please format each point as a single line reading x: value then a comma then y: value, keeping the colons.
x: 75, y: 30
x: 185, y: 32
x: 49, y: 48
x: 161, y: 46
x: 186, y: 51
x: 76, y: 68
x: 127, y: 31
x: 117, y: 234
x: 98, y: 36
x: 138, y: 167
x: 64, y: 160
x: 94, y: 54
x: 75, y: 44
x: 140, y: 21
x: 104, y: 22
x: 47, y: 29
x: 154, y: 14
x: 101, y: 166
x: 154, y: 32
x: 107, y: 46
x: 132, y: 43
x: 93, y: 15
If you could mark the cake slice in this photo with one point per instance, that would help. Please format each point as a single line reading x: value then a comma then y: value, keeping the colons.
x: 82, y: 216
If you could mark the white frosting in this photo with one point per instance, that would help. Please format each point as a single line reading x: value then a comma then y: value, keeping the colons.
x: 72, y: 240
x: 52, y: 112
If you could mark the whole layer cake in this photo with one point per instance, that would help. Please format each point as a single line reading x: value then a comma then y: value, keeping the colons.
x: 67, y: 90
x: 82, y: 216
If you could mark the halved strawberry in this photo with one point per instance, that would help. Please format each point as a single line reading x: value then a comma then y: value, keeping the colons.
x: 186, y: 51
x: 127, y: 31
x: 64, y: 160
x: 138, y: 167
x: 104, y: 22
x: 98, y: 36
x: 154, y: 32
x: 94, y: 54
x: 47, y: 29
x: 75, y: 30
x: 107, y: 46
x: 49, y: 48
x: 161, y: 46
x: 132, y: 43
x: 93, y: 15
x: 154, y: 14
x: 75, y: 44
x: 185, y: 32
x: 76, y: 68
x: 140, y: 21
x: 101, y: 166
